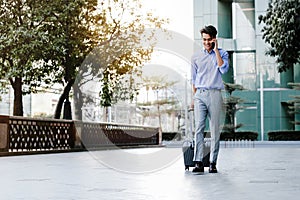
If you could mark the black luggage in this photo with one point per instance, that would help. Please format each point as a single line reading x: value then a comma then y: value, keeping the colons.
x: 188, y: 146
x: 188, y: 153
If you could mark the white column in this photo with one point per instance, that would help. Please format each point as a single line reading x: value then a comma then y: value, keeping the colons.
x: 261, y: 106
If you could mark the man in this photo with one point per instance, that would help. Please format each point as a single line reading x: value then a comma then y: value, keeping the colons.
x: 207, y: 67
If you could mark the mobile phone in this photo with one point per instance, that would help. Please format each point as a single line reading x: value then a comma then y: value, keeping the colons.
x: 212, y: 45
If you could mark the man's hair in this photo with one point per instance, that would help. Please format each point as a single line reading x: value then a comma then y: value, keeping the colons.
x: 210, y: 30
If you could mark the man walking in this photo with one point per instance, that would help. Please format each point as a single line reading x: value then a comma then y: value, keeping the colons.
x: 207, y: 67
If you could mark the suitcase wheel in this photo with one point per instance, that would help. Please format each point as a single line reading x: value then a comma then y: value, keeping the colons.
x: 187, y: 168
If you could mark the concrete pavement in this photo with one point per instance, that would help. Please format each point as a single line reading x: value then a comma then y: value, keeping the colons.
x: 268, y: 171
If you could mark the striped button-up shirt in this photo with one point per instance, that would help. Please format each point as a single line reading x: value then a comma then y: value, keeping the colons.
x: 206, y: 74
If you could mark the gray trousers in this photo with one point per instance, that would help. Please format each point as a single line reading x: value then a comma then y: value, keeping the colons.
x: 207, y: 104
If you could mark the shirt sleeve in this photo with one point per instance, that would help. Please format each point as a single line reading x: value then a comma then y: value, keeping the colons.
x: 224, y: 68
x: 193, y: 70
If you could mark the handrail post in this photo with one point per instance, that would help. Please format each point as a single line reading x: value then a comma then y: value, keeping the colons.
x: 159, y: 141
x: 77, y: 129
x: 4, y: 133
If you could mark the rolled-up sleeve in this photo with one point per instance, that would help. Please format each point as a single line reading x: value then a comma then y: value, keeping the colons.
x: 224, y: 68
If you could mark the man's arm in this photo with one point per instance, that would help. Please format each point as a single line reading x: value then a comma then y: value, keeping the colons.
x: 222, y: 60
x: 194, y: 91
x: 193, y: 73
x: 218, y: 55
x: 219, y: 58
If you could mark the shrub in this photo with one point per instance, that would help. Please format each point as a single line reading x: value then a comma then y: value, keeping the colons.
x: 284, y: 135
x: 168, y: 136
x: 241, y: 135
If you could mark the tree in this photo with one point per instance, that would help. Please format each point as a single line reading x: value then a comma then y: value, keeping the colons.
x: 74, y: 33
x: 117, y: 59
x: 107, y: 33
x: 231, y: 103
x: 46, y: 42
x: 24, y: 38
x: 163, y: 104
x: 281, y: 29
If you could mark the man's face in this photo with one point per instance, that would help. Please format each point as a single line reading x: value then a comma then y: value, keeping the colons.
x: 207, y: 41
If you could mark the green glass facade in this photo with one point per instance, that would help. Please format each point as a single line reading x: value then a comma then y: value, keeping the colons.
x: 265, y: 106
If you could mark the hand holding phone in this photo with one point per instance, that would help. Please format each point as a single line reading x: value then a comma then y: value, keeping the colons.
x: 213, y: 45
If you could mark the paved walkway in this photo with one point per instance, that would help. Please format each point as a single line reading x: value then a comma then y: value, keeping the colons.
x: 263, y: 172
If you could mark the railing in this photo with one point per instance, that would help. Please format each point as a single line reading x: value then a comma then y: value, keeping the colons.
x: 238, y: 144
x: 94, y: 135
x: 21, y: 134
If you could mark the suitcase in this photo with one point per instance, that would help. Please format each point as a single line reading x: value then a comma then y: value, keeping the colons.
x: 188, y: 153
x: 188, y: 146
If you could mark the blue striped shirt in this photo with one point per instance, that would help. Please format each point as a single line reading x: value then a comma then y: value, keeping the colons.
x: 205, y: 71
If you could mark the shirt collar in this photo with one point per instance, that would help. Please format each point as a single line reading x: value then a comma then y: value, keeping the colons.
x: 206, y: 52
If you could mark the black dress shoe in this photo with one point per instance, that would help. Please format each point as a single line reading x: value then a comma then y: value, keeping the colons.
x: 199, y: 168
x: 213, y: 168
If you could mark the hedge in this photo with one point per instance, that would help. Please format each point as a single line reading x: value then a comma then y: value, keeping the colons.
x: 241, y: 135
x: 284, y: 135
x: 168, y: 136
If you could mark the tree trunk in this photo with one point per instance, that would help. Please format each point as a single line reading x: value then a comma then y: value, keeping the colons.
x: 159, y: 114
x: 78, y: 102
x: 107, y: 114
x: 62, y: 98
x: 18, y: 97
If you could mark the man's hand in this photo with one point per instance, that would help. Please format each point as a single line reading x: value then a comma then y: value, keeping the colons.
x: 216, y: 44
x: 192, y: 105
x: 218, y: 56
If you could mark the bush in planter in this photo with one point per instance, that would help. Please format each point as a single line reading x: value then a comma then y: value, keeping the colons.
x: 241, y: 135
x: 284, y: 135
x: 168, y: 136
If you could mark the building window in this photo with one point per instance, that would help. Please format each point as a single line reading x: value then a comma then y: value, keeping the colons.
x: 244, y: 70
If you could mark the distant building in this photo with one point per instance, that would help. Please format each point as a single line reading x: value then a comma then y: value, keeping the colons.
x: 42, y: 104
x: 240, y: 34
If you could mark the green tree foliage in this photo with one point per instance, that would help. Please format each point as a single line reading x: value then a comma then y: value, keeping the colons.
x: 108, y: 33
x: 46, y: 42
x: 125, y: 43
x: 281, y: 30
x: 24, y: 38
x: 74, y: 28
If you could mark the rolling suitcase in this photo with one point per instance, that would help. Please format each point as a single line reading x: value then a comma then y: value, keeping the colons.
x: 188, y: 146
x: 188, y: 153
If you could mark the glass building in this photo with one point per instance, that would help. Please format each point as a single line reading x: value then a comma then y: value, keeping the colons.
x: 267, y: 91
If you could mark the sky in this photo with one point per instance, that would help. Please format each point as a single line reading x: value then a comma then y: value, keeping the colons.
x: 168, y: 61
x: 181, y: 20
x: 179, y: 12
